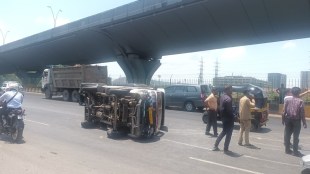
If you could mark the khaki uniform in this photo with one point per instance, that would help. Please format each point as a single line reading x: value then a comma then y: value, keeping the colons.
x: 245, y: 106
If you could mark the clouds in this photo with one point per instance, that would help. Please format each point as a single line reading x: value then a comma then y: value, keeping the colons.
x: 233, y: 53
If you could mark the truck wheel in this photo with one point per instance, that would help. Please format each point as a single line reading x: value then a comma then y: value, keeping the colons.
x: 48, y: 93
x: 66, y: 95
x: 75, y: 96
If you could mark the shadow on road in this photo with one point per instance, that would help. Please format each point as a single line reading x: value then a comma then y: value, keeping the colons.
x: 263, y: 130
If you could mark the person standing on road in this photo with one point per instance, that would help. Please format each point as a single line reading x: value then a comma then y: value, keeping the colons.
x: 246, y: 103
x: 281, y: 91
x: 211, y: 105
x: 292, y: 116
x: 226, y: 112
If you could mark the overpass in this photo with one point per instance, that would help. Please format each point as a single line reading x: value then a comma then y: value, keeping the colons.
x: 138, y: 34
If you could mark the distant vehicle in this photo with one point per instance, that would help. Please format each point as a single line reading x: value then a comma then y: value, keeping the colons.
x: 66, y: 80
x: 6, y: 85
x: 188, y: 97
x: 259, y: 113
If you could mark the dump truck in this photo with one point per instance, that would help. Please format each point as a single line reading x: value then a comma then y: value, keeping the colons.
x: 134, y: 110
x: 66, y: 80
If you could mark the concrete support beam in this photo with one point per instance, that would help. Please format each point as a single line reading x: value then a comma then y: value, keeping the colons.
x: 29, y: 79
x: 137, y: 70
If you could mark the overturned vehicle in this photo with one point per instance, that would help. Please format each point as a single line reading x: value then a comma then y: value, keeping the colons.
x: 137, y: 109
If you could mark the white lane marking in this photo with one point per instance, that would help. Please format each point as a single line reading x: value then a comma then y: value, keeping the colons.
x: 222, y: 165
x: 260, y: 159
x: 200, y: 147
x: 37, y: 122
x: 187, y: 144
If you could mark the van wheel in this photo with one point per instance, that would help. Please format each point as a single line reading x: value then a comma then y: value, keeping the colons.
x: 189, y: 106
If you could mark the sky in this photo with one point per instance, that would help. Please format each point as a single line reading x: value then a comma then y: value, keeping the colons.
x: 20, y: 18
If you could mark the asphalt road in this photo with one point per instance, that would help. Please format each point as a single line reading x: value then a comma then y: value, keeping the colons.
x: 54, y: 142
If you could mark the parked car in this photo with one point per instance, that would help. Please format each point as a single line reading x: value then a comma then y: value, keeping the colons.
x: 188, y: 97
x: 7, y: 84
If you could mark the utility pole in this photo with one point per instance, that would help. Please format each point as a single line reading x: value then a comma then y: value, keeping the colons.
x: 200, y: 78
x: 3, y: 36
x: 54, y: 16
x: 216, y: 68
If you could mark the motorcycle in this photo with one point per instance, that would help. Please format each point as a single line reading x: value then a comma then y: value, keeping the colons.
x: 13, y: 124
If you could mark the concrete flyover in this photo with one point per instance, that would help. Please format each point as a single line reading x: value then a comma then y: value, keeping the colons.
x: 138, y: 34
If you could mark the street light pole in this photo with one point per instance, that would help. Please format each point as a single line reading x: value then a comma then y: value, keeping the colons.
x: 54, y: 17
x: 3, y: 36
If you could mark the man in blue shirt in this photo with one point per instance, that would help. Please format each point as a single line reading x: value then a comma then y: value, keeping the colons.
x: 13, y: 100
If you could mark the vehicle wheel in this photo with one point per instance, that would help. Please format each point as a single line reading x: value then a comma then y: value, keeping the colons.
x: 114, y: 134
x: 75, y: 96
x: 254, y: 126
x: 17, y: 131
x: 189, y: 106
x: 48, y: 93
x: 205, y: 117
x: 87, y: 124
x: 66, y: 95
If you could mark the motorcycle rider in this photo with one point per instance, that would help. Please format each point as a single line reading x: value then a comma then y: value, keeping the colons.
x: 12, y: 99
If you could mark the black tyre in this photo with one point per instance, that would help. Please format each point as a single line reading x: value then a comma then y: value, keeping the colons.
x: 189, y: 107
x: 17, y: 131
x: 66, y: 95
x: 48, y: 93
x: 254, y: 126
x: 87, y: 124
x: 205, y: 117
x: 75, y: 96
x: 114, y: 134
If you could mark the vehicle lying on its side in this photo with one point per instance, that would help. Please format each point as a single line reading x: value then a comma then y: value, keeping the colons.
x: 259, y: 113
x: 137, y: 109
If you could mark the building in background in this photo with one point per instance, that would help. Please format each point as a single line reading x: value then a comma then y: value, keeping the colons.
x: 276, y: 79
x: 304, y: 79
x: 239, y: 80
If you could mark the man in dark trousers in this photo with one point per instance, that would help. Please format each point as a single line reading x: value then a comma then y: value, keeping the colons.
x: 293, y: 115
x: 226, y: 112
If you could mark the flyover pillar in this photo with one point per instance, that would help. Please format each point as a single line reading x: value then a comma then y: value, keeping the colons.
x: 138, y: 70
x: 29, y: 79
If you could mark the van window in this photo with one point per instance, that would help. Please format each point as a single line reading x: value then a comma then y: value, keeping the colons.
x: 205, y: 89
x: 179, y: 89
x: 191, y: 89
x: 169, y: 89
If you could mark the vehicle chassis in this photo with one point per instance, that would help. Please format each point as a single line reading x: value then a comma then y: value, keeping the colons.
x: 137, y: 110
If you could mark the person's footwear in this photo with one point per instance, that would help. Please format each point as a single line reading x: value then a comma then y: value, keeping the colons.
x: 240, y: 144
x: 288, y: 151
x: 298, y: 154
x: 207, y: 133
x: 248, y: 145
x: 227, y: 152
x: 215, y: 148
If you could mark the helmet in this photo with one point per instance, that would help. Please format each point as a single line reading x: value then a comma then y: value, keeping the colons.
x: 13, y: 87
